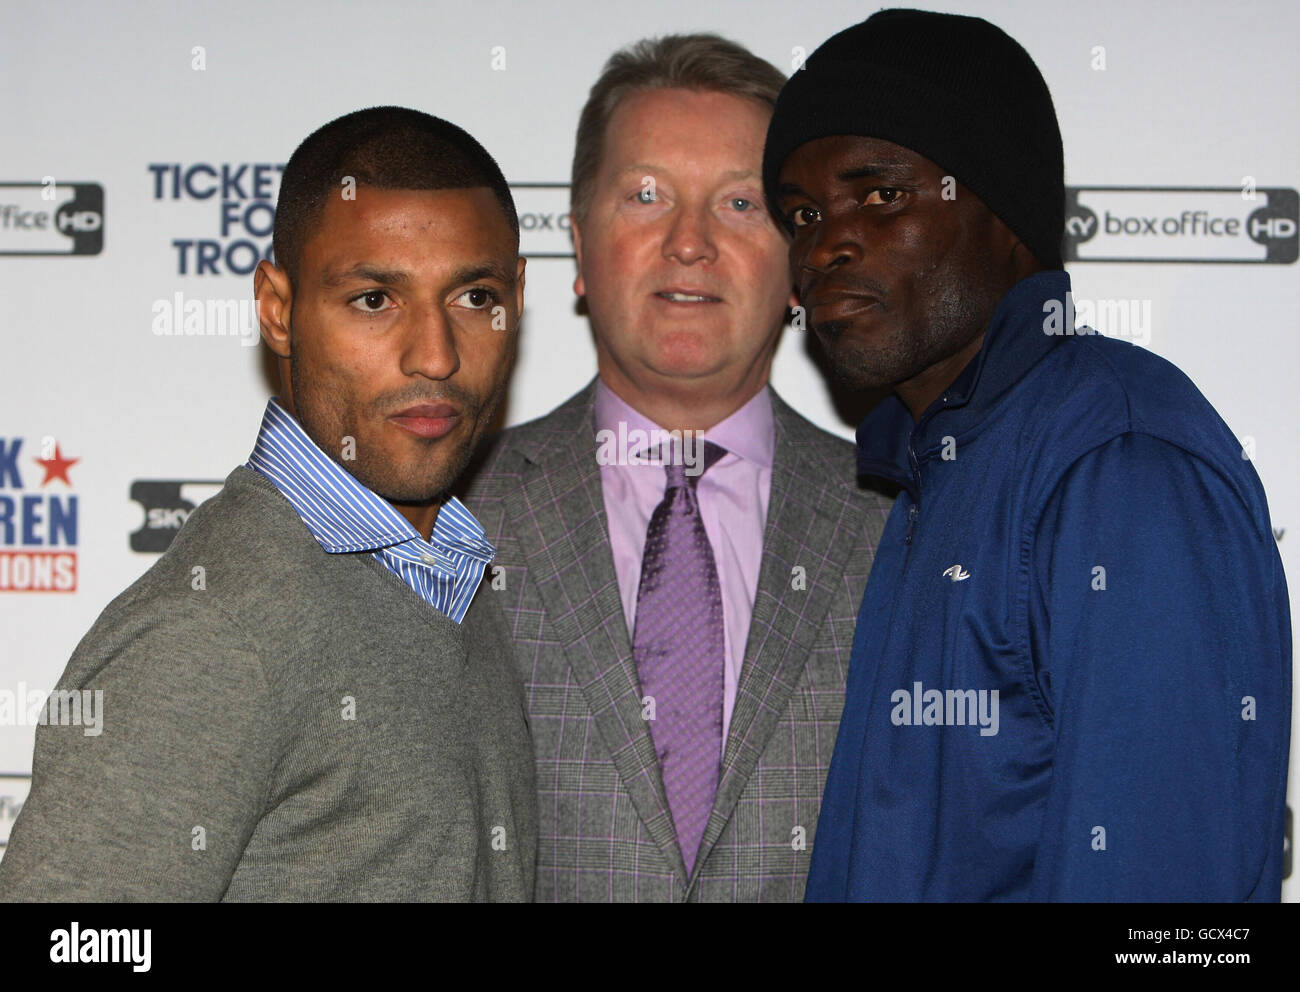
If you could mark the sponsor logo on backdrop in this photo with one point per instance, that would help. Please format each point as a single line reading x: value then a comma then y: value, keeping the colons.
x: 166, y: 505
x: 51, y: 218
x: 1182, y: 224
x: 242, y: 196
x: 543, y: 219
x: 38, y: 520
x: 13, y: 793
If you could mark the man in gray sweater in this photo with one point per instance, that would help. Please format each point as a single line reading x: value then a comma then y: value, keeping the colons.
x: 304, y: 699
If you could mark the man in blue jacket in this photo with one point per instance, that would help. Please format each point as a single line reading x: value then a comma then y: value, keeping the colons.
x: 1071, y: 678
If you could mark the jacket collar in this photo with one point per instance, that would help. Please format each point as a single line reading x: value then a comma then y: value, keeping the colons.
x: 1014, y: 342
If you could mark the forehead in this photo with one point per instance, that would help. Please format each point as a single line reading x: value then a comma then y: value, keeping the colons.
x: 450, y: 223
x: 831, y: 156
x: 685, y: 127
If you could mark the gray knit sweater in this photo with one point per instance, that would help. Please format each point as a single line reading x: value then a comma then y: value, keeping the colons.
x: 282, y: 724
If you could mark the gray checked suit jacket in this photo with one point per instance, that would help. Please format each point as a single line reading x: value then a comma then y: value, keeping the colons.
x: 605, y: 830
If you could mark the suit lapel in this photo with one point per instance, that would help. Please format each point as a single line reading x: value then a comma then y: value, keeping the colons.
x: 804, y: 529
x: 558, y: 517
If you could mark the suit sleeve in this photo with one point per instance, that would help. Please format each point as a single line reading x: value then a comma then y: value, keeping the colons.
x: 160, y: 802
x: 1161, y: 641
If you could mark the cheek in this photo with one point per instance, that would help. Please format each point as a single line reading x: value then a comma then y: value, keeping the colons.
x: 485, y: 354
x: 615, y: 276
x: 345, y: 358
x: 311, y: 348
x: 769, y: 267
x: 779, y: 273
x: 621, y: 254
x: 485, y: 357
x: 913, y: 259
x: 337, y: 360
x: 800, y: 248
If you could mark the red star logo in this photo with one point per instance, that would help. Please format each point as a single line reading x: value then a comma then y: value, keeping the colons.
x: 56, y: 467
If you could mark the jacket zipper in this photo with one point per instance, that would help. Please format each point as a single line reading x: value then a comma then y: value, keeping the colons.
x: 913, y: 511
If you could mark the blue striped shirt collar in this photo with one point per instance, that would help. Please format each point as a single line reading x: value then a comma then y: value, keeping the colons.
x: 345, y: 516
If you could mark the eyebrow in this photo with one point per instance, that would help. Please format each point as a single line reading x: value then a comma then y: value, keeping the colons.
x: 889, y: 171
x: 483, y: 270
x: 364, y: 273
x: 398, y: 277
x: 645, y: 168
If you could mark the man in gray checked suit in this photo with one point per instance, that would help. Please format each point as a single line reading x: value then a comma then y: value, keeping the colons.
x: 683, y: 605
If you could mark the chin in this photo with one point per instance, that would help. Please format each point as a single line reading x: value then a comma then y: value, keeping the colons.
x: 860, y: 377
x: 670, y: 369
x: 407, y: 476
x: 687, y: 354
x: 864, y: 368
x: 425, y: 489
x: 860, y: 359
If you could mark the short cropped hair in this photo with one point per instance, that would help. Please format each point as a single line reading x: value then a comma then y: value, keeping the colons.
x: 702, y: 62
x: 386, y: 147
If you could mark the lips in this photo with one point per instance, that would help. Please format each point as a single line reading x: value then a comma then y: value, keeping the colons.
x: 427, y: 420
x: 839, y: 307
x: 686, y: 296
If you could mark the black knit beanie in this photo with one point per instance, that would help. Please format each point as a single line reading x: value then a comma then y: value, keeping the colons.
x: 955, y: 89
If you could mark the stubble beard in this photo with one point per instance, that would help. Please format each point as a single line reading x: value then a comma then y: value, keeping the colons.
x: 950, y: 322
x: 425, y: 480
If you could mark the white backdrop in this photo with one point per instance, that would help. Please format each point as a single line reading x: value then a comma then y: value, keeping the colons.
x: 148, y: 102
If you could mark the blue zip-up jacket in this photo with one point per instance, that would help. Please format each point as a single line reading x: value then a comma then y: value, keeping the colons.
x: 1071, y: 677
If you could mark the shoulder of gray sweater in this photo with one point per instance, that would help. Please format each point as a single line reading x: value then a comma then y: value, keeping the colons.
x: 245, y: 535
x: 233, y: 548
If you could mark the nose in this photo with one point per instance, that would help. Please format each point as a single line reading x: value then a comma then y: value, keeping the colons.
x: 689, y: 237
x: 833, y: 243
x: 429, y: 345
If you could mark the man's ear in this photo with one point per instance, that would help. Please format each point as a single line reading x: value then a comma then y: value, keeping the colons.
x: 274, y: 296
x: 579, y: 287
x: 1023, y: 261
x: 519, y: 285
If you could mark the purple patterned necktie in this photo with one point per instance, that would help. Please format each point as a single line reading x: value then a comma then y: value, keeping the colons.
x: 678, y: 646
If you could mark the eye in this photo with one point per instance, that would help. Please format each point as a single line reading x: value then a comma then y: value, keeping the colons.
x: 742, y: 204
x: 478, y: 298
x: 370, y: 301
x: 883, y: 195
x: 802, y: 216
x: 646, y: 194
